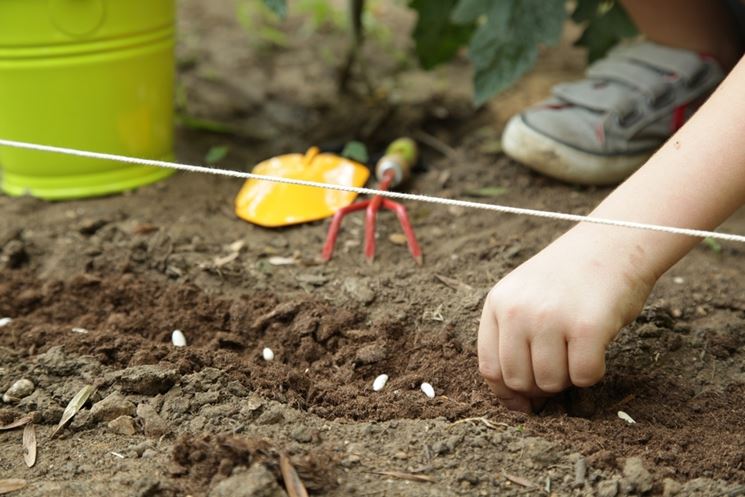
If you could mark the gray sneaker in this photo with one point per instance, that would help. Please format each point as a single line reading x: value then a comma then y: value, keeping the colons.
x: 599, y: 130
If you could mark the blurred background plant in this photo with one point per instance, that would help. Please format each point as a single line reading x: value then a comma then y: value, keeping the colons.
x: 503, y: 37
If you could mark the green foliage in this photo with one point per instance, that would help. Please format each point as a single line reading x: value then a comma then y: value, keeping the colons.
x: 437, y: 38
x: 486, y: 192
x: 260, y: 21
x: 216, y: 154
x: 279, y: 7
x: 607, y: 24
x: 503, y: 36
x: 505, y: 43
x: 713, y: 244
x: 356, y: 151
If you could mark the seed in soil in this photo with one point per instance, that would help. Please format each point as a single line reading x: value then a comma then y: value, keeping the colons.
x: 626, y: 417
x: 5, y: 322
x: 428, y: 390
x: 18, y: 390
x: 380, y: 382
x: 178, y: 338
x: 267, y: 354
x: 82, y: 331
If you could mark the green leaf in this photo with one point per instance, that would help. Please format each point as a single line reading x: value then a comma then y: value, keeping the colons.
x: 486, y: 192
x: 216, y: 154
x: 356, y: 151
x: 509, y: 62
x: 506, y: 44
x: 586, y: 10
x: 713, y: 244
x: 437, y: 39
x: 279, y: 7
x: 605, y: 30
x: 199, y: 124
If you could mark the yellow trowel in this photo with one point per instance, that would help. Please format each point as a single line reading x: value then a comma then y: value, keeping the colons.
x: 273, y: 205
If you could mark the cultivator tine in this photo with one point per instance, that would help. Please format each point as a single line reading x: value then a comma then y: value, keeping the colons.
x: 328, y: 246
x: 372, y: 207
x: 403, y: 218
x: 371, y: 215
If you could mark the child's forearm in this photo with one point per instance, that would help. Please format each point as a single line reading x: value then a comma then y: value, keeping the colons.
x: 696, y: 180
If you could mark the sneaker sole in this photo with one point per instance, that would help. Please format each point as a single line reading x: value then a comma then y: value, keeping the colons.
x: 554, y: 159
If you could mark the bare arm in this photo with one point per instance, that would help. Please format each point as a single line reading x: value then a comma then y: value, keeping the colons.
x: 546, y: 325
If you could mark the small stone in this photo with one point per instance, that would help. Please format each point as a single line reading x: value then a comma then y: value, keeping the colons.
x: 145, y: 380
x: 149, y: 454
x: 203, y: 398
x: 112, y: 407
x: 370, y: 354
x: 637, y: 476
x: 302, y: 435
x: 608, y: 488
x: 397, y: 239
x: 19, y: 390
x: 359, y: 290
x: 542, y: 451
x: 670, y: 487
x: 153, y: 424
x: 258, y: 481
x: 123, y: 425
x: 271, y: 416
x: 14, y: 255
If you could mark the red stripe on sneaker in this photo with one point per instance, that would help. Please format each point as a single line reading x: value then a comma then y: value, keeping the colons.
x: 679, y: 117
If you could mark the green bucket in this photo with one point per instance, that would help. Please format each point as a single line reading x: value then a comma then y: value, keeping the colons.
x: 88, y: 74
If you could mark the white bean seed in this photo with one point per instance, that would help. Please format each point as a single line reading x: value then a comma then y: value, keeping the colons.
x: 5, y: 322
x: 626, y: 417
x: 428, y: 390
x: 178, y: 338
x: 82, y: 331
x: 380, y: 382
x: 267, y: 354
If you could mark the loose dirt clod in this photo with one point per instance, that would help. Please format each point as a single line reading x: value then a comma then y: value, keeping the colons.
x: 29, y: 445
x: 428, y: 390
x: 74, y: 406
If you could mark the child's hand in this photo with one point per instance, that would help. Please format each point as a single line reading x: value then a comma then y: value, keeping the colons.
x: 546, y: 325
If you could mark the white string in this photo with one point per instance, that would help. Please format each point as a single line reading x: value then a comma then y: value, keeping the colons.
x: 370, y: 191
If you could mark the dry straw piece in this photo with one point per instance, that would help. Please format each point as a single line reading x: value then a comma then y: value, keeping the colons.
x: 29, y: 445
x: 74, y: 406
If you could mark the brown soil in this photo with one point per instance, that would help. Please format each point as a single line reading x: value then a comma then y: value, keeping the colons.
x: 130, y: 269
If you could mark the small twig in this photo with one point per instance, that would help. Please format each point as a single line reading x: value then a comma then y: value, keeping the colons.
x: 406, y: 476
x: 437, y: 144
x: 519, y: 480
x: 293, y: 484
x: 483, y: 419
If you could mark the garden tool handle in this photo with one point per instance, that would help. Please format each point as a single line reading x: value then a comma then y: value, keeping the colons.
x: 399, y: 158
